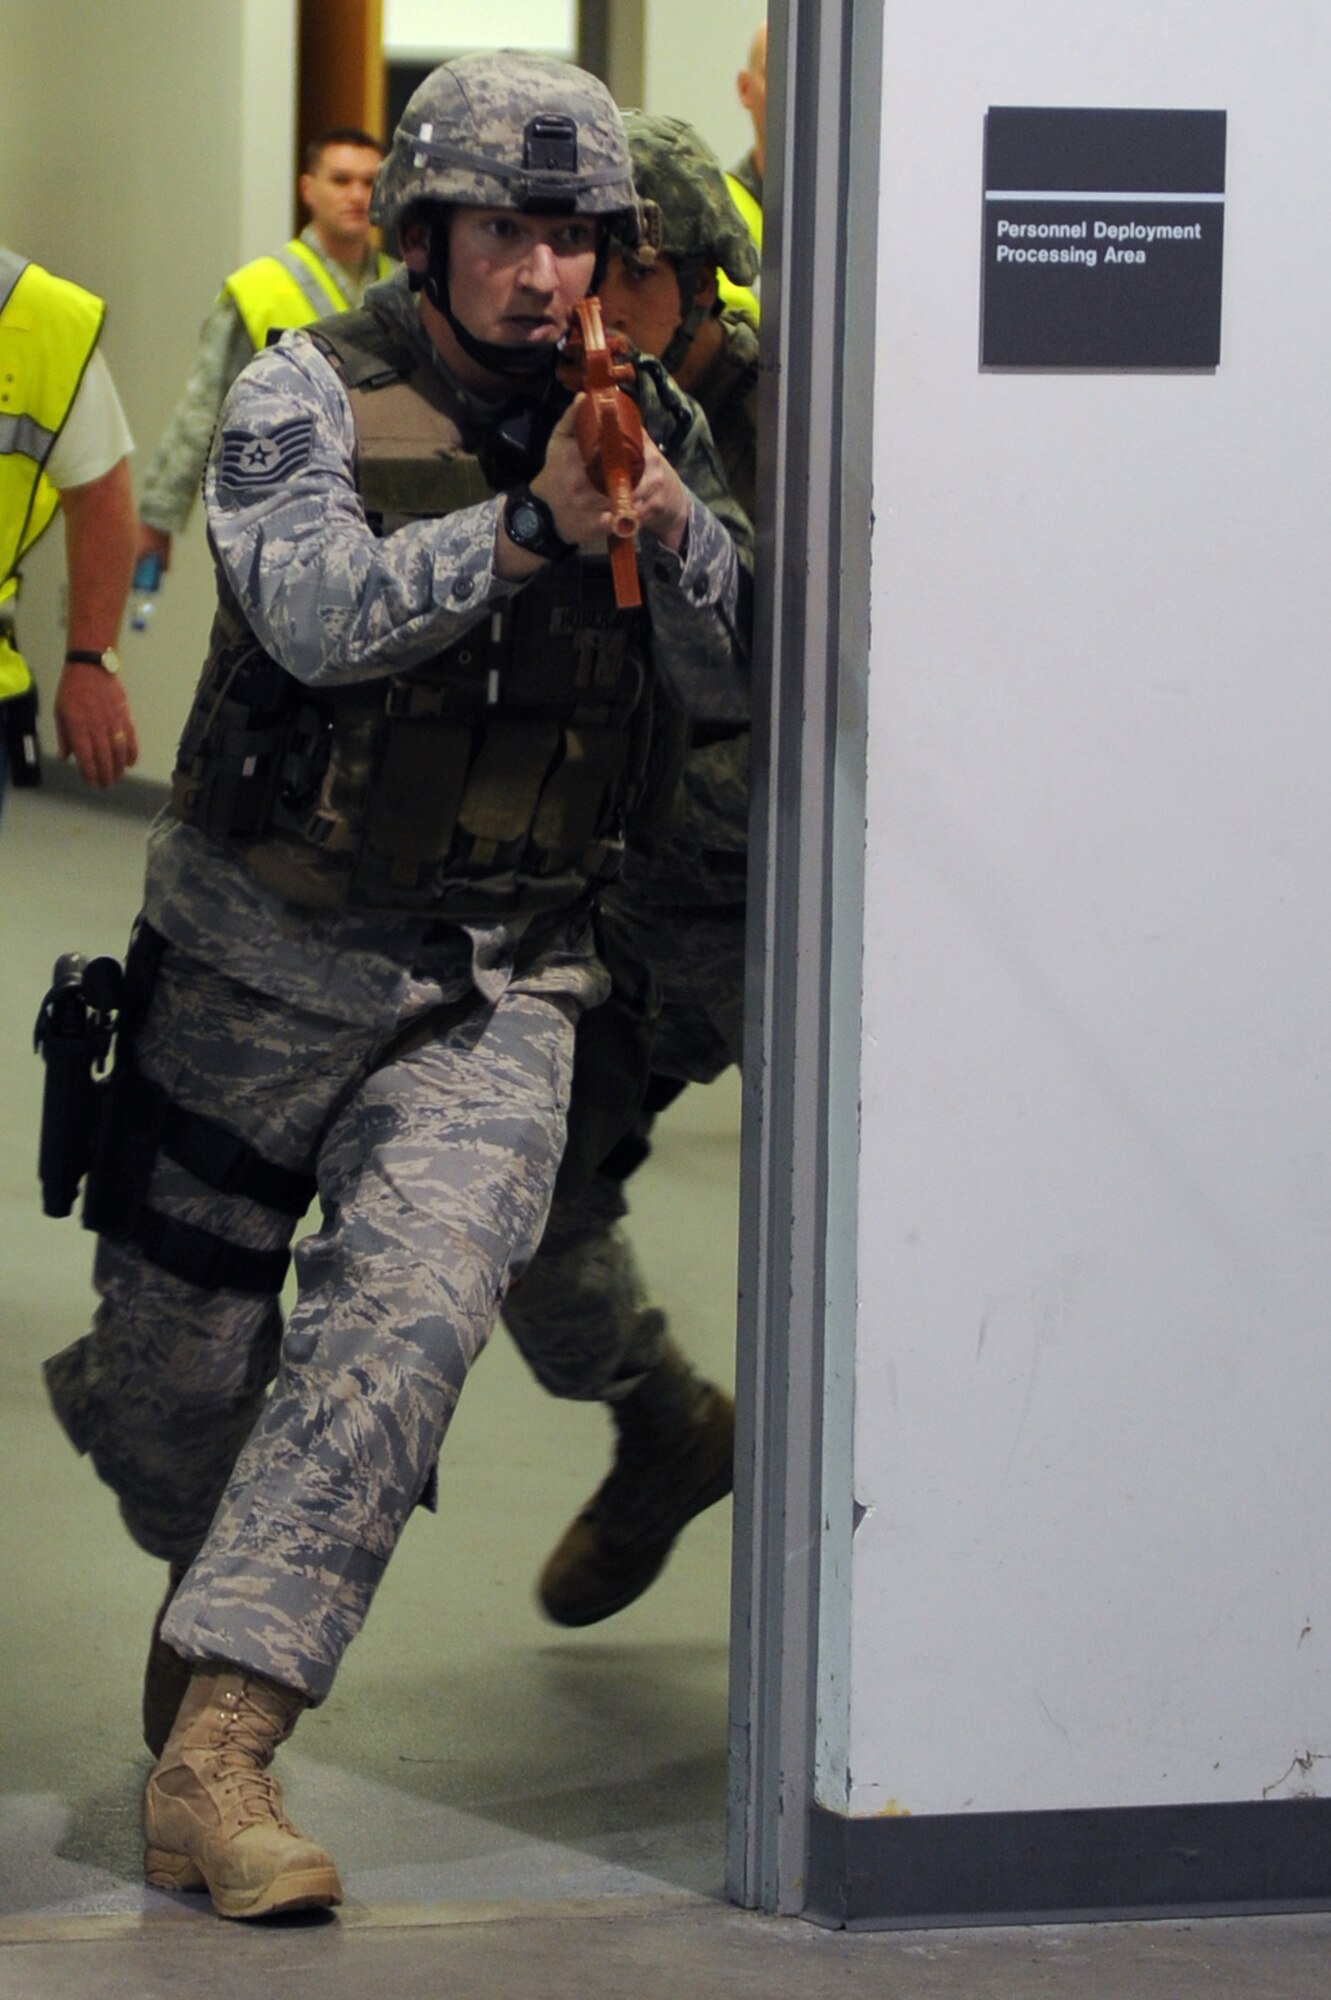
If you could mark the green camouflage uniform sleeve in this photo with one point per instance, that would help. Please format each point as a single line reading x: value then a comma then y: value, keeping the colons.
x: 700, y: 600
x: 175, y: 471
x: 732, y: 407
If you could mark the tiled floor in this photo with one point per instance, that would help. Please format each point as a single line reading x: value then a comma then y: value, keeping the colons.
x: 516, y: 1810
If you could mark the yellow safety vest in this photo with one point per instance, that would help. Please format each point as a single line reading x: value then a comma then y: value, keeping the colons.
x: 291, y: 289
x: 48, y: 330
x: 740, y: 296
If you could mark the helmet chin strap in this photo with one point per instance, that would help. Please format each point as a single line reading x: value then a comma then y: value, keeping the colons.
x: 527, y: 364
x: 688, y: 273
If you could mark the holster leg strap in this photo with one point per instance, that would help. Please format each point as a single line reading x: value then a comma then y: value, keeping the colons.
x: 200, y: 1258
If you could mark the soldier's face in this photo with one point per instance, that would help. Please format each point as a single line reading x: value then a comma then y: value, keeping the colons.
x: 337, y: 194
x: 642, y: 303
x: 515, y: 279
x: 646, y: 303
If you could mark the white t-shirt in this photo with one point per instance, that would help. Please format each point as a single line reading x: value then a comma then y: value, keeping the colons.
x: 95, y: 436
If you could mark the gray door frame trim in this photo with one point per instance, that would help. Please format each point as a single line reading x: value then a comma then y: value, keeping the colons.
x: 800, y: 1077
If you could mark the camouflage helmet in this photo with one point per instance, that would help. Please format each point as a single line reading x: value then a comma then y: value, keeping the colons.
x: 676, y: 170
x: 511, y: 130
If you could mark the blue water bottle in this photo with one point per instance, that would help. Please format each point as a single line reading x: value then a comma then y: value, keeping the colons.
x: 144, y: 586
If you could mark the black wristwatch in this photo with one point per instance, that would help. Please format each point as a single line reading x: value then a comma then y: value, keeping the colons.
x: 106, y: 659
x: 530, y: 525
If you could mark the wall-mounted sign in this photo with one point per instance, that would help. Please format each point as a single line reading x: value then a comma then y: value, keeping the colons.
x: 1103, y: 238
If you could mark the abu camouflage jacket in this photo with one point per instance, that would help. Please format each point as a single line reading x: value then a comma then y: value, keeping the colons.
x: 473, y: 757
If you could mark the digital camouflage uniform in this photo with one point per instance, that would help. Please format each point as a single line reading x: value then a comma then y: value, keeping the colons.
x: 173, y: 474
x: 581, y: 1315
x: 434, y: 1156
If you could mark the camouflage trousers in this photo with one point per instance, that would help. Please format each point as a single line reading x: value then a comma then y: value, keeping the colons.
x: 680, y: 908
x: 697, y: 957
x: 580, y: 1315
x: 434, y: 1172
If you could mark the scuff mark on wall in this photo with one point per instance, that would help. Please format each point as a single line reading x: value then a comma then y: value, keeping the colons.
x: 1059, y: 1728
x: 1303, y: 1762
x: 1023, y: 1326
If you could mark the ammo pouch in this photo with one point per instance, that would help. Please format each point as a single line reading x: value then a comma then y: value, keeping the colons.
x: 493, y: 779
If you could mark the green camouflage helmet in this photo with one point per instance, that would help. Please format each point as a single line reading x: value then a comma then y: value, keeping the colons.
x: 511, y: 131
x: 676, y: 170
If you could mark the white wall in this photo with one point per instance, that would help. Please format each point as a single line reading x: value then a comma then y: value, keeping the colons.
x: 147, y: 153
x: 1094, y: 1265
x: 422, y: 28
x: 692, y: 52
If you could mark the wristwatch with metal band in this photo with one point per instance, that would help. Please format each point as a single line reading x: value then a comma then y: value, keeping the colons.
x: 106, y: 659
x: 530, y: 525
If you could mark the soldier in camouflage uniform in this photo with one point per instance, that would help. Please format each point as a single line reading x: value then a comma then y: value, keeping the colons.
x: 581, y: 1314
x: 331, y: 264
x: 419, y: 732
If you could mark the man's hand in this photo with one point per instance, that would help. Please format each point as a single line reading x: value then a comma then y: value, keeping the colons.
x: 153, y: 542
x: 661, y: 499
x: 92, y: 718
x: 582, y: 512
x: 93, y: 724
x: 580, y: 509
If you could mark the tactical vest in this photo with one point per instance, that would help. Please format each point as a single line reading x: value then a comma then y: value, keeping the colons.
x: 288, y: 289
x: 48, y: 330
x: 493, y: 779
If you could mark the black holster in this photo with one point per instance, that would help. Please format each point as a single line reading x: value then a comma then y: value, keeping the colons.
x: 111, y: 1128
x: 74, y: 1031
x: 125, y: 1137
x: 18, y: 721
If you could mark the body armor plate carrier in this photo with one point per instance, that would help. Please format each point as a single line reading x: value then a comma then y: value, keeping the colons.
x: 494, y: 778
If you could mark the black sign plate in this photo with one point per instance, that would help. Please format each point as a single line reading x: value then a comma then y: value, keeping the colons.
x: 1103, y: 238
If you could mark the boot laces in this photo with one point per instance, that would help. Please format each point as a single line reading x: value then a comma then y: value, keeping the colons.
x: 247, y: 1747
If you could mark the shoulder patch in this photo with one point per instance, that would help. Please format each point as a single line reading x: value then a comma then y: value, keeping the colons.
x: 250, y: 461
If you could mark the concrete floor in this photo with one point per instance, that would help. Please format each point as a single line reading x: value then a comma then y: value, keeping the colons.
x: 515, y: 1809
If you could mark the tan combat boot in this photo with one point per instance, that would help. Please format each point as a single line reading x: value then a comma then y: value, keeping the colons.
x: 212, y: 1816
x: 166, y: 1675
x: 673, y: 1457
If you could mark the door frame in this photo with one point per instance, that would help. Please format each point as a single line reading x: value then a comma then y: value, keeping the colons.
x: 793, y: 1490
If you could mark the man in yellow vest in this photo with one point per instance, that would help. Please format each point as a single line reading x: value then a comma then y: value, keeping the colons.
x: 63, y: 443
x: 325, y: 269
x: 746, y: 180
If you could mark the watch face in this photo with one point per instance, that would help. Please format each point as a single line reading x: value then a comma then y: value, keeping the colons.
x: 111, y: 661
x: 524, y: 524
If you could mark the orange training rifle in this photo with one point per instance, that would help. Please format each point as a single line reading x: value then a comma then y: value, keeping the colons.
x: 609, y: 433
